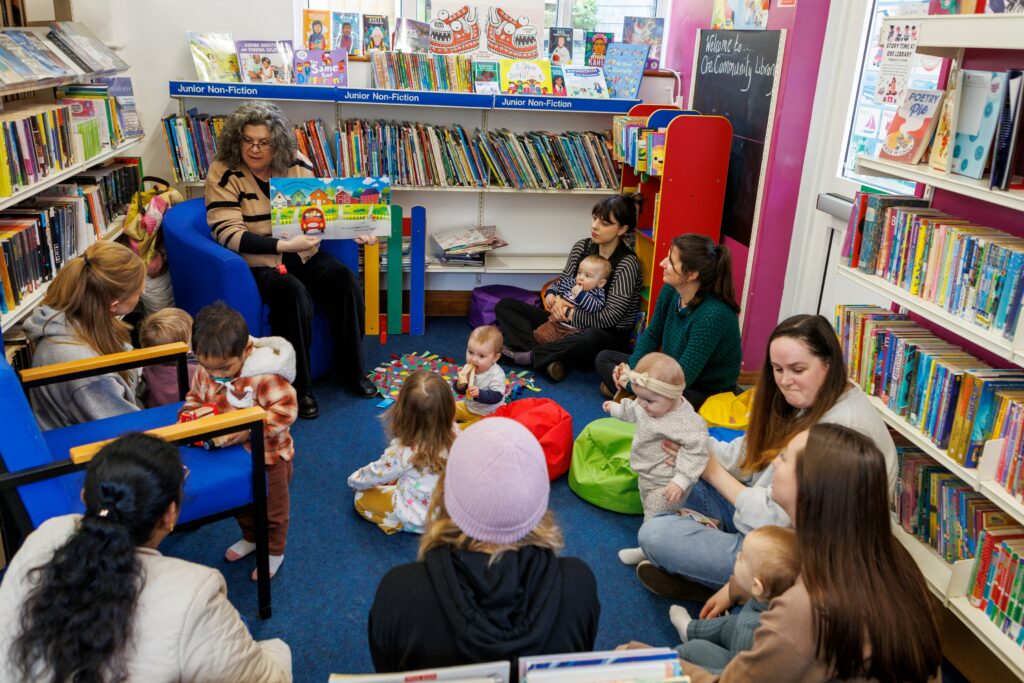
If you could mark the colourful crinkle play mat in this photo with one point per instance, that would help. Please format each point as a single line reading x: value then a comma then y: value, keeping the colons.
x: 389, y: 378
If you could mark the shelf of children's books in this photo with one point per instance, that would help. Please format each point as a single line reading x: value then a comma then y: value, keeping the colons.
x: 28, y: 304
x: 1004, y: 647
x: 249, y: 91
x: 944, y: 35
x: 502, y: 190
x: 995, y: 492
x: 936, y: 570
x: 959, y: 184
x: 919, y: 439
x: 577, y: 105
x: 991, y: 340
x: 507, y: 263
x: 44, y: 83
x: 69, y: 172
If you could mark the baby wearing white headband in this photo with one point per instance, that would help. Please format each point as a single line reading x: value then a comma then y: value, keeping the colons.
x: 661, y: 413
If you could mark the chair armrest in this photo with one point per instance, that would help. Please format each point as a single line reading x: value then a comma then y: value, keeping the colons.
x: 184, y: 432
x: 101, y: 365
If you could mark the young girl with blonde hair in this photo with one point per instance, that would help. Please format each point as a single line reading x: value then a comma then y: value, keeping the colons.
x: 394, y: 491
x: 80, y: 317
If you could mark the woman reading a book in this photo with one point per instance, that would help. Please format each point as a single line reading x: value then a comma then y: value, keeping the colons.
x: 88, y: 597
x: 695, y: 321
x: 609, y: 328
x: 488, y: 585
x: 860, y: 608
x: 803, y: 382
x: 258, y: 143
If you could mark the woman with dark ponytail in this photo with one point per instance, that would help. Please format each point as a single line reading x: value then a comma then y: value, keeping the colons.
x: 695, y: 321
x: 88, y: 599
x: 610, y: 327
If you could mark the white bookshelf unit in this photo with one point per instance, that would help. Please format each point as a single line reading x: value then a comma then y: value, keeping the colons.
x: 540, y: 225
x: 948, y: 36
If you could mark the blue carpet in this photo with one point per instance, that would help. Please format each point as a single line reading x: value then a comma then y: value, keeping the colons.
x: 334, y: 559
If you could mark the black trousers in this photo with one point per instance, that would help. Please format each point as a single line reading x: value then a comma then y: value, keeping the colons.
x: 290, y: 297
x: 518, y: 320
x: 607, y: 360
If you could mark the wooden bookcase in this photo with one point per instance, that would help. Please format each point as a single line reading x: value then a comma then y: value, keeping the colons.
x: 689, y: 194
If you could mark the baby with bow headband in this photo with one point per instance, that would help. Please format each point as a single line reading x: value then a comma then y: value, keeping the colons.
x: 661, y: 413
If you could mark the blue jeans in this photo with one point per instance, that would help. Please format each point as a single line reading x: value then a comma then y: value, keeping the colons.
x: 682, y: 546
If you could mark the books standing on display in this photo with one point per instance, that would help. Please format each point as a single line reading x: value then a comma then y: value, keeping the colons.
x: 266, y: 61
x: 214, y: 56
x: 192, y: 143
x: 645, y: 31
x: 624, y: 68
x: 416, y: 71
x: 61, y: 51
x: 411, y: 35
x: 321, y: 67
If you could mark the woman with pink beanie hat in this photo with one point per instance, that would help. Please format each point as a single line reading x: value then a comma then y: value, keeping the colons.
x: 488, y: 584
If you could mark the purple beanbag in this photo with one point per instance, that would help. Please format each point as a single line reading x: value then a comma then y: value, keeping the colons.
x: 483, y: 300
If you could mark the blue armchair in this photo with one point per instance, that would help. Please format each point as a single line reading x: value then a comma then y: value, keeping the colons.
x: 202, y: 271
x: 41, y: 472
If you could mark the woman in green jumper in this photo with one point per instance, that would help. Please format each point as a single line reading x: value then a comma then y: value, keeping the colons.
x: 695, y: 321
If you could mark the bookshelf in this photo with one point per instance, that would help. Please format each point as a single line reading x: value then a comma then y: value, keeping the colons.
x: 948, y: 37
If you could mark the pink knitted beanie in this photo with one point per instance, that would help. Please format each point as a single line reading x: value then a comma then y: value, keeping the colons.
x: 496, y: 481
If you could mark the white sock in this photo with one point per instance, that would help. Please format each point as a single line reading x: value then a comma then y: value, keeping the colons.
x: 631, y: 556
x: 680, y: 618
x: 242, y: 548
x: 275, y: 563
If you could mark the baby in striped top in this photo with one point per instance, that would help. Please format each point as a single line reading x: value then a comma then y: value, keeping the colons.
x: 585, y: 291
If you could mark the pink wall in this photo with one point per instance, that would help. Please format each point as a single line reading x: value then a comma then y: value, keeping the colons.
x: 805, y: 25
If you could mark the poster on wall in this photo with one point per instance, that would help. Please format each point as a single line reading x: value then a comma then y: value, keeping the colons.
x: 900, y: 45
x: 505, y: 29
x: 740, y: 15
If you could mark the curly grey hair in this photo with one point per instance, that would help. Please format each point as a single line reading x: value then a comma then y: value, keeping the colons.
x: 257, y: 113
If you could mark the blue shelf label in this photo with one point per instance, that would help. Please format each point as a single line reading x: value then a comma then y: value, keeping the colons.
x: 252, y: 91
x: 576, y: 104
x: 414, y: 98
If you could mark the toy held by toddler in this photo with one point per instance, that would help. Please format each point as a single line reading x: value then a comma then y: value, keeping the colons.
x: 585, y: 291
x: 767, y: 565
x: 661, y: 414
x: 237, y: 371
x: 166, y: 326
x: 481, y: 379
x: 394, y: 491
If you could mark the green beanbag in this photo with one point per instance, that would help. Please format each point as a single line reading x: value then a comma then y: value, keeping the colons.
x: 600, y: 472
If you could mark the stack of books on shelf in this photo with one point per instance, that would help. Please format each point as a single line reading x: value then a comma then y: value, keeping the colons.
x: 996, y: 586
x: 192, y: 143
x: 951, y: 397
x: 97, y: 112
x: 940, y: 509
x: 424, y: 155
x: 467, y: 246
x: 973, y: 272
x: 635, y: 144
x: 37, y: 142
x: 314, y: 142
x: 974, y: 125
x: 413, y: 71
x: 63, y: 51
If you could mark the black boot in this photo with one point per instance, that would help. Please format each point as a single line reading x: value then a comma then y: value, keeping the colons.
x: 308, y: 409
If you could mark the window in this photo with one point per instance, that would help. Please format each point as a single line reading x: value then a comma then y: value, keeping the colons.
x: 869, y: 121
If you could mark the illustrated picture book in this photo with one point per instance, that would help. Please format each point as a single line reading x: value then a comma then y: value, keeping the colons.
x: 214, y: 55
x: 510, y: 30
x: 321, y: 67
x: 485, y: 77
x: 585, y: 81
x: 266, y: 61
x: 376, y: 36
x: 346, y: 32
x: 624, y: 68
x: 333, y: 208
x: 911, y: 129
x: 941, y: 155
x: 595, y: 47
x: 645, y: 31
x: 525, y: 77
x: 558, y: 81
x: 411, y: 35
x: 560, y: 46
x: 316, y: 29
x: 983, y: 93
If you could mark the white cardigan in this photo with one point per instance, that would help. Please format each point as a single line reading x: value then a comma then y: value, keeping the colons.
x: 185, y: 629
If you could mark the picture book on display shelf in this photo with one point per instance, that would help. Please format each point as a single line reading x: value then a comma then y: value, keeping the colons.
x: 506, y: 30
x: 526, y: 77
x: 485, y: 77
x: 645, y: 31
x: 266, y: 61
x: 560, y: 46
x: 624, y: 69
x: 911, y: 128
x: 941, y: 155
x: 120, y: 89
x: 321, y: 67
x: 376, y: 35
x: 1006, y: 146
x: 596, y: 47
x: 79, y: 44
x: 30, y: 47
x: 585, y: 81
x: 316, y: 29
x: 980, y: 105
x: 558, y: 81
x: 214, y: 56
x: 411, y: 35
x: 347, y: 32
x: 333, y: 208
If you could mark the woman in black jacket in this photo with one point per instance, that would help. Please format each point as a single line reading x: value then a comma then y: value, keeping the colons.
x: 488, y: 585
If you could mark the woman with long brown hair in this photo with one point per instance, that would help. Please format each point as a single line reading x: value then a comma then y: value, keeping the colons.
x: 80, y: 317
x: 803, y: 382
x: 489, y: 584
x: 695, y: 321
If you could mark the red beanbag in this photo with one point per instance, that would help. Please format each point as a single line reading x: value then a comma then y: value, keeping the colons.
x: 552, y: 426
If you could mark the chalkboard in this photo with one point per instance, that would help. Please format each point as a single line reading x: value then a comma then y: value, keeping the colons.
x: 736, y: 75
